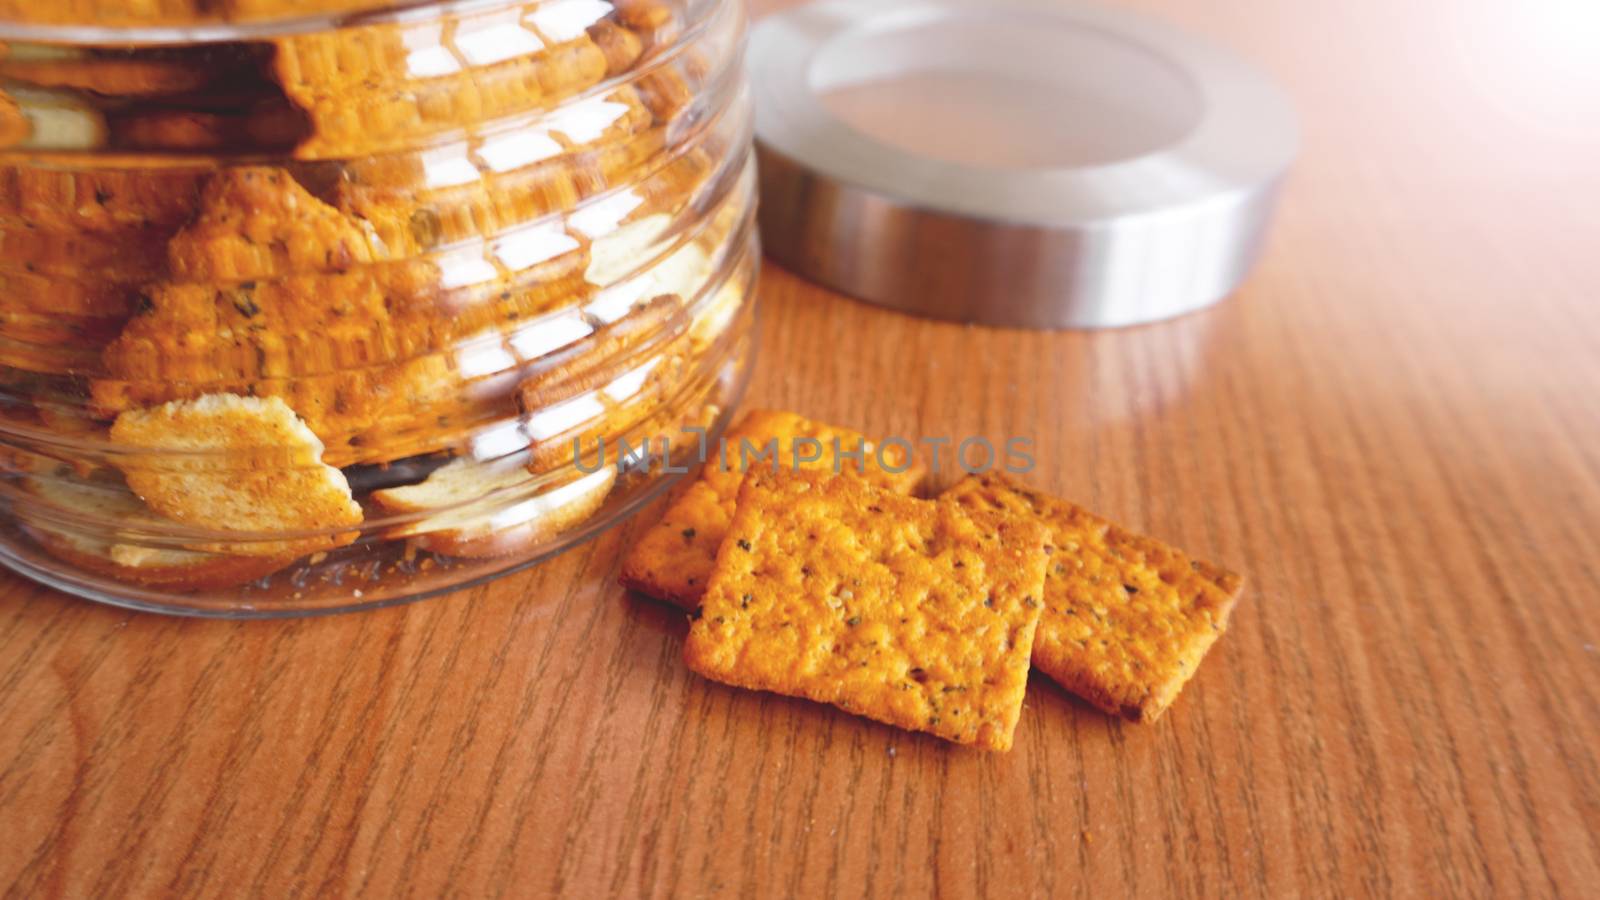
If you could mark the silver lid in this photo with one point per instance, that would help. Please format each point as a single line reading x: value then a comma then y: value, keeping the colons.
x: 1035, y: 163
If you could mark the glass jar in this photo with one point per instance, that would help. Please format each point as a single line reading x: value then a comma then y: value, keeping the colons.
x: 335, y: 311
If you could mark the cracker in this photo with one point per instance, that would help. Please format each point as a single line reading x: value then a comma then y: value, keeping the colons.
x: 360, y: 91
x: 648, y: 256
x: 604, y: 354
x: 100, y: 200
x: 170, y: 12
x: 230, y: 463
x: 621, y: 46
x: 480, y: 509
x: 111, y: 76
x: 601, y: 421
x: 346, y: 341
x: 113, y: 554
x: 647, y: 15
x: 55, y: 120
x: 14, y: 126
x: 1128, y: 618
x: 619, y: 254
x: 89, y: 239
x: 258, y: 222
x: 673, y: 559
x: 912, y: 612
x: 593, y: 145
x: 374, y: 371
x: 67, y: 319
x: 597, y: 390
x: 328, y: 344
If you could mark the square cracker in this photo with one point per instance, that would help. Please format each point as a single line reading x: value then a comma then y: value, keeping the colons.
x: 916, y: 613
x: 1127, y: 618
x: 672, y: 560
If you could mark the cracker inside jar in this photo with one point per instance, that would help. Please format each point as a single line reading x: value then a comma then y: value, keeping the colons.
x: 356, y: 292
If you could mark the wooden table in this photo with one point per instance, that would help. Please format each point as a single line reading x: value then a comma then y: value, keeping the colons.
x: 1394, y: 429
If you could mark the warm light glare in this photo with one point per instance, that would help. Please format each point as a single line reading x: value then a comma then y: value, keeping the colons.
x: 1535, y: 66
x: 1566, y: 33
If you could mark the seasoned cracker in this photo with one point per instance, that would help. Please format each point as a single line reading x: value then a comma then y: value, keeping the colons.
x: 364, y: 348
x: 359, y: 89
x: 345, y: 340
x: 622, y: 47
x: 95, y: 200
x: 608, y: 351
x: 170, y: 12
x: 329, y: 344
x: 14, y: 124
x: 672, y: 560
x: 230, y: 463
x: 257, y: 222
x: 476, y: 508
x: 56, y: 119
x: 126, y: 76
x: 912, y: 612
x: 60, y: 314
x: 594, y: 144
x: 64, y: 504
x: 647, y: 15
x: 1127, y: 619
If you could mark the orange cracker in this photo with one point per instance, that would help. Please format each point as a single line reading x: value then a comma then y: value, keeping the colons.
x: 673, y: 559
x: 1127, y: 618
x: 916, y: 613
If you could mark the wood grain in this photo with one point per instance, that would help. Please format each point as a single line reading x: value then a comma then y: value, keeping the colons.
x: 1394, y: 429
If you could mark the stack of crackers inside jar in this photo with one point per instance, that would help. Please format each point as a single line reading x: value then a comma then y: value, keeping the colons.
x: 380, y: 276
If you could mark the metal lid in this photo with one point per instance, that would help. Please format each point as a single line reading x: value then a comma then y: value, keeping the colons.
x: 1012, y: 162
